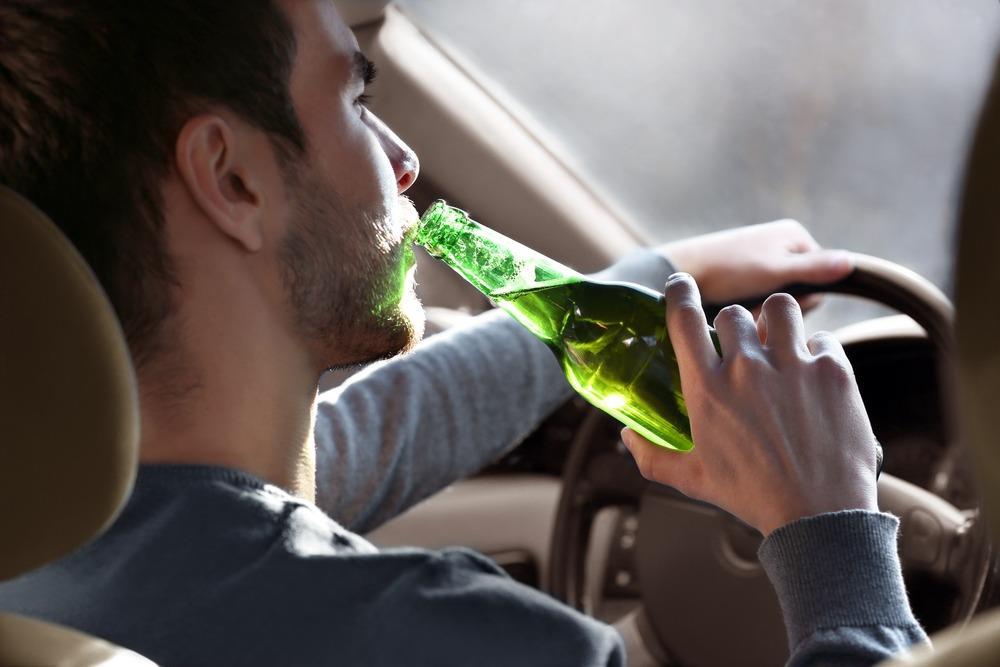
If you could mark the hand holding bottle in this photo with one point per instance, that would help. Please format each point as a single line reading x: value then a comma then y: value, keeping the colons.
x: 779, y: 427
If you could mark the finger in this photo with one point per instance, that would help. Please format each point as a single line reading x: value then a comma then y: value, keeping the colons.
x: 761, y: 325
x: 659, y: 464
x: 825, y: 343
x: 819, y: 267
x: 737, y: 331
x: 807, y: 302
x: 783, y: 320
x: 687, y: 325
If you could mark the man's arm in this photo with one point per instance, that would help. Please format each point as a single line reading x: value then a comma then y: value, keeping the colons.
x: 840, y: 586
x: 783, y: 442
x: 403, y: 429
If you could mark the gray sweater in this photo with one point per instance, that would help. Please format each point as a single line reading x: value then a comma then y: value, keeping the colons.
x: 212, y: 566
x: 404, y: 429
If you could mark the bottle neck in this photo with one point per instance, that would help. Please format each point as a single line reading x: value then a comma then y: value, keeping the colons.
x: 491, y: 262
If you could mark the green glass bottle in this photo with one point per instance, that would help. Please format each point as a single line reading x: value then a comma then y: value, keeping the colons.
x: 610, y: 338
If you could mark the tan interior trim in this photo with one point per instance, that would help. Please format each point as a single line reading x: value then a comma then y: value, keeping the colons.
x: 69, y: 407
x: 442, y: 108
x: 491, y: 514
x: 357, y: 13
x: 974, y: 645
x: 881, y: 328
x: 27, y: 641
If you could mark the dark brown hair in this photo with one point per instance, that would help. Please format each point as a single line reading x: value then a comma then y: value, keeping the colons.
x: 92, y: 97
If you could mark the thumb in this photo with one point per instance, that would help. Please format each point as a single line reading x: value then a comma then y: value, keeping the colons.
x: 655, y: 463
x: 821, y: 266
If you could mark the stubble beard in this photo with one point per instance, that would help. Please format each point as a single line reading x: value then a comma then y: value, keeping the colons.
x: 350, y: 288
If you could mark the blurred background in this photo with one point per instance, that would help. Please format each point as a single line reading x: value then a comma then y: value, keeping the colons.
x: 851, y: 116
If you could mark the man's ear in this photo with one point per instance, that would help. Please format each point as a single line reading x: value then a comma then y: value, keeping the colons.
x: 220, y: 179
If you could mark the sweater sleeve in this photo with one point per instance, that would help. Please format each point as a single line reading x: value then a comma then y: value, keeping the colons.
x: 840, y: 586
x: 403, y: 429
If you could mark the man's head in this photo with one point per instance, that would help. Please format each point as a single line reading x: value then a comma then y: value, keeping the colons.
x: 131, y: 124
x: 356, y: 279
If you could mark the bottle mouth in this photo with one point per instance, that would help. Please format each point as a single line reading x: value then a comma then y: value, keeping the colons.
x: 439, y: 221
x: 434, y: 212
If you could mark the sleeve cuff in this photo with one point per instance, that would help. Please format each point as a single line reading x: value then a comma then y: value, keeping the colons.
x: 644, y: 267
x: 835, y: 570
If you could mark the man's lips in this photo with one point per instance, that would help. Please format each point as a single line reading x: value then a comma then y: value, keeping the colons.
x: 409, y: 221
x: 409, y: 218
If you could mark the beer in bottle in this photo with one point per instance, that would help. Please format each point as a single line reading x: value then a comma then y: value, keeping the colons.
x: 609, y: 337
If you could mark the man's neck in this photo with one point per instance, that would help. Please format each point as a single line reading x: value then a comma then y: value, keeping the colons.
x: 253, y: 420
x: 237, y: 392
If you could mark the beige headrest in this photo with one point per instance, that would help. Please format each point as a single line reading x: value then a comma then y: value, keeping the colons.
x: 977, y: 300
x: 29, y: 641
x: 69, y: 419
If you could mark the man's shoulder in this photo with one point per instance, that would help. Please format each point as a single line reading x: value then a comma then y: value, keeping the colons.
x: 241, y: 573
x: 221, y: 543
x: 225, y: 514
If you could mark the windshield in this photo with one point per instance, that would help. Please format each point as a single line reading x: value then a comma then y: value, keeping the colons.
x: 692, y: 115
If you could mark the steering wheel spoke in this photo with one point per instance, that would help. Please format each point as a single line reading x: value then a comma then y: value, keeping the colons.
x: 937, y: 539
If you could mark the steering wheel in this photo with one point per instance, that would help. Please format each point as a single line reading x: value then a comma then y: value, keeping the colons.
x: 721, y: 583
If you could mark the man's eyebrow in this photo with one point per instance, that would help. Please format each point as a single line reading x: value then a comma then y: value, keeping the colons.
x: 364, y: 69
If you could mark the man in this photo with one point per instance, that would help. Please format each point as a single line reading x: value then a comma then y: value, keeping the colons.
x: 218, y: 169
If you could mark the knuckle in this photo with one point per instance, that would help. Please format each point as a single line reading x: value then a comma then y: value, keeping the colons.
x: 688, y: 310
x: 824, y: 342
x: 685, y: 316
x: 742, y: 363
x: 833, y: 368
x: 825, y: 339
x: 731, y: 315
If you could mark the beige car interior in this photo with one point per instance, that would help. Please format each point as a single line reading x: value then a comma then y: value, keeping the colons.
x: 70, y: 445
x: 70, y: 423
x: 977, y: 331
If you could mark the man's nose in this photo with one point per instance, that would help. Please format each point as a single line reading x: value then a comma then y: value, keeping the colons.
x: 405, y: 164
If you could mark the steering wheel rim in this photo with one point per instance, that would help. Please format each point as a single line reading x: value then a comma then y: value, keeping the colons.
x: 593, y: 479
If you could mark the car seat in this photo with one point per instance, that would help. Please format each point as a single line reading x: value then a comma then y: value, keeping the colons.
x: 978, y: 335
x: 69, y: 423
